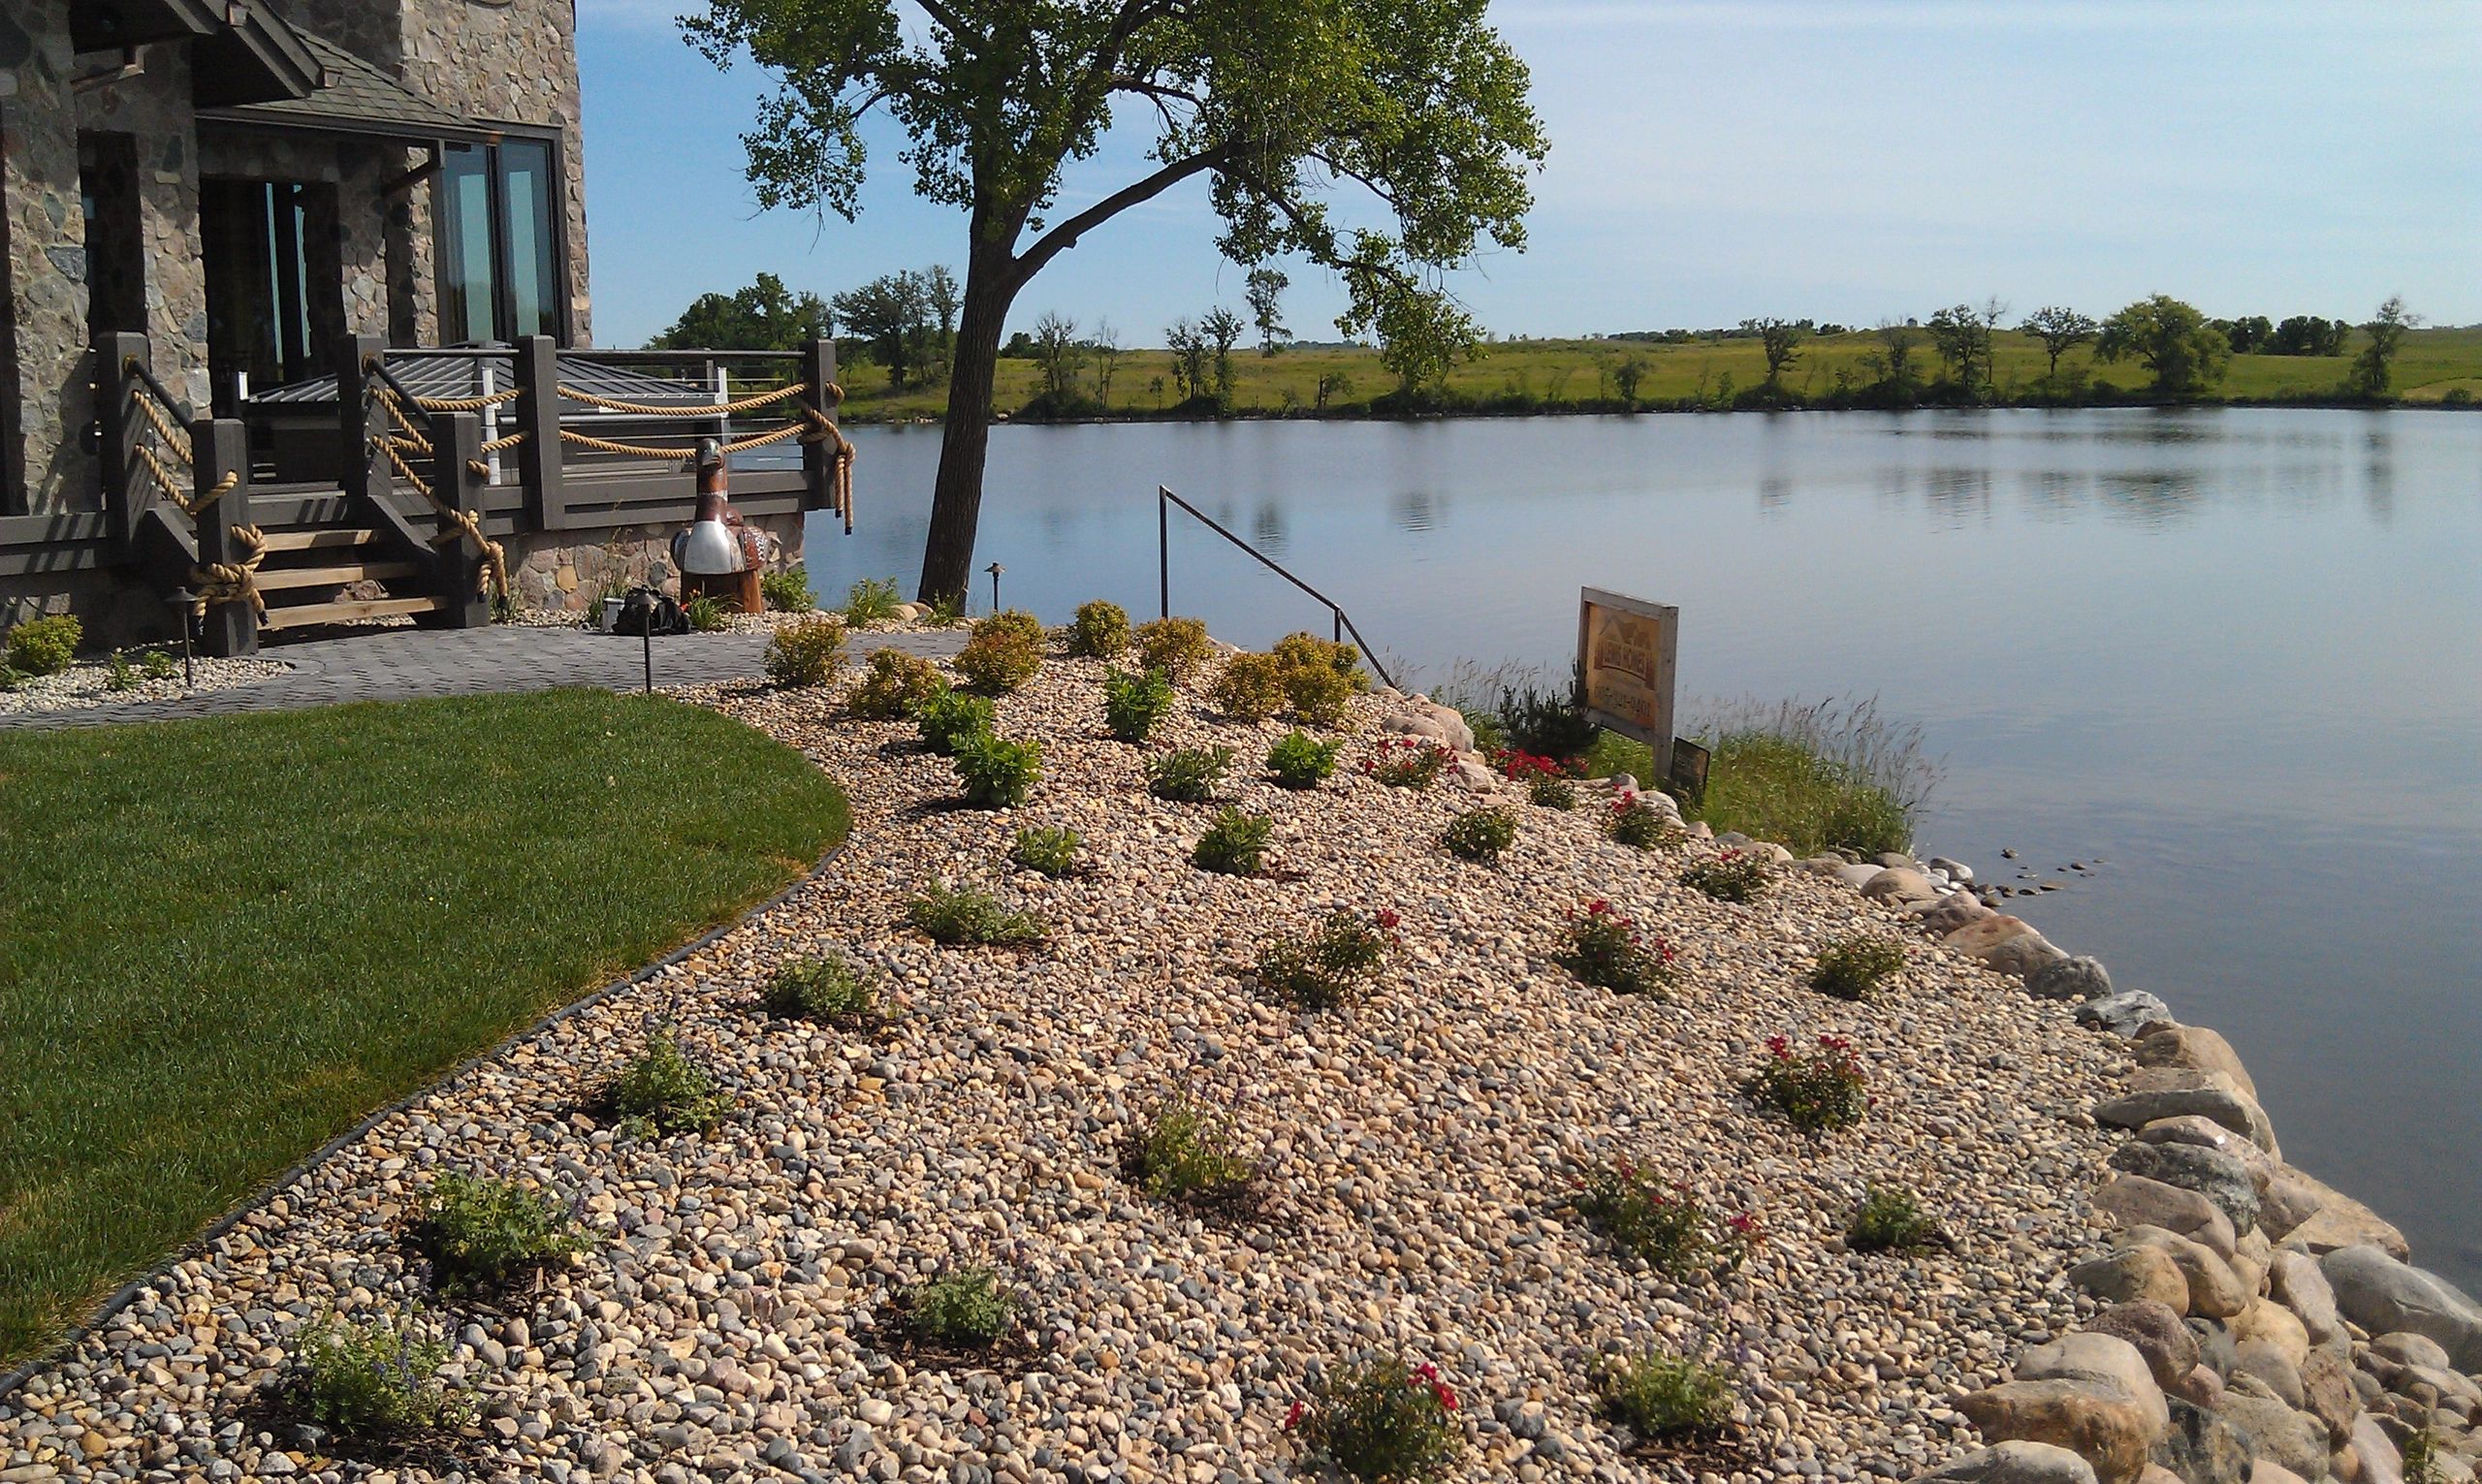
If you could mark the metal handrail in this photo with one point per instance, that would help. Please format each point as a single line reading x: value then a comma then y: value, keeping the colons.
x: 1165, y: 499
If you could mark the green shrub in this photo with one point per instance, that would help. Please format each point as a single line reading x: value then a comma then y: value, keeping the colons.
x: 1235, y: 844
x: 1551, y: 791
x: 1389, y: 1422
x: 806, y: 651
x: 787, y: 590
x: 1480, y: 834
x: 829, y: 990
x: 1605, y: 950
x: 1665, y: 1227
x: 375, y: 1382
x: 1250, y: 687
x: 966, y: 1309
x: 1321, y: 677
x: 894, y: 684
x: 1002, y: 652
x: 482, y: 1234
x: 1184, y: 1152
x: 1052, y: 852
x: 967, y: 918
x: 119, y: 673
x: 1408, y: 762
x: 1189, y: 775
x: 1661, y: 1397
x: 872, y: 600
x: 945, y: 612
x: 12, y: 677
x: 998, y: 773
x: 2421, y: 1457
x: 46, y: 646
x: 1134, y: 703
x: 1099, y: 631
x: 1299, y: 760
x: 1641, y: 826
x: 1547, y: 723
x: 1854, y: 968
x: 1816, y: 1090
x: 1331, y: 966
x: 1177, y: 646
x: 665, y: 1092
x: 1735, y: 875
x: 950, y: 716
x: 1890, y: 1220
x: 156, y: 665
x: 706, y: 615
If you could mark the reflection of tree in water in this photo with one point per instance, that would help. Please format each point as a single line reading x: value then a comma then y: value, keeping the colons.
x: 2152, y: 497
x: 1774, y: 493
x: 1957, y: 493
x: 2052, y: 493
x: 2378, y: 476
x: 1420, y: 509
x: 1266, y: 528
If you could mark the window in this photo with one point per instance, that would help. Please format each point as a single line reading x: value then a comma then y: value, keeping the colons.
x: 501, y: 267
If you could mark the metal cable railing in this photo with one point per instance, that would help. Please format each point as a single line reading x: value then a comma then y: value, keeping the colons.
x: 1165, y: 499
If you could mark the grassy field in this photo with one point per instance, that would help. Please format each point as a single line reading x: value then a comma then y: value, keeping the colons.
x: 2432, y: 364
x: 223, y: 941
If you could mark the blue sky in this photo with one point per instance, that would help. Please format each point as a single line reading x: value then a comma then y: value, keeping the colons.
x: 1709, y: 162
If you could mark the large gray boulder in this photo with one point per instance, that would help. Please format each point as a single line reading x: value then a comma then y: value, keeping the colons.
x: 2136, y: 1201
x: 2295, y: 1282
x: 2197, y: 1048
x: 2340, y: 1222
x: 2172, y: 1092
x: 1899, y: 886
x: 2381, y: 1294
x: 2202, y: 1448
x: 2218, y: 1176
x: 2155, y: 1331
x: 2016, y: 1461
x: 2080, y: 978
x: 2124, y: 1012
x: 2278, y: 1435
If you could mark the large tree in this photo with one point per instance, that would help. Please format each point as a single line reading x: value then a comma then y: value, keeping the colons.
x: 2373, y: 367
x: 2061, y: 330
x: 1275, y: 102
x: 2170, y: 339
x: 765, y: 316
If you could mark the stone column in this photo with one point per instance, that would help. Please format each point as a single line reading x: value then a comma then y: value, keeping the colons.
x: 46, y: 239
x: 155, y: 110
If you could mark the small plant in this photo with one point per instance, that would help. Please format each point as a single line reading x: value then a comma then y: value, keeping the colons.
x: 119, y: 673
x: 872, y: 600
x: 1320, y: 677
x: 1331, y: 966
x: 1235, y: 844
x: 12, y: 677
x: 46, y: 646
x: 1855, y: 967
x: 1408, y: 762
x: 481, y: 1234
x: 896, y: 684
x: 967, y: 918
x: 1663, y: 1397
x: 1134, y: 703
x: 1482, y: 834
x: 1186, y: 1154
x: 1052, y: 852
x: 1816, y: 1090
x: 829, y: 990
x: 805, y: 651
x: 705, y: 614
x: 998, y: 773
x: 1605, y: 950
x: 967, y: 1310
x: 1189, y: 775
x: 1735, y: 875
x: 1666, y: 1228
x: 946, y: 613
x: 1002, y: 652
x: 156, y: 665
x: 788, y: 591
x: 1177, y: 646
x: 665, y: 1092
x: 1890, y: 1220
x: 950, y: 716
x: 1640, y: 825
x: 1099, y: 631
x: 1547, y: 723
x: 1299, y: 760
x: 1552, y: 792
x: 375, y: 1382
x: 1250, y: 687
x: 1389, y: 1422
x: 2421, y: 1458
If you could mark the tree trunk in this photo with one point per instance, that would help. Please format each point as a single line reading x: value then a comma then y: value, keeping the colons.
x: 956, y: 494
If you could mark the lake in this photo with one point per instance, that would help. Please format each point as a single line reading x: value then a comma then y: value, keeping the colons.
x: 2231, y: 659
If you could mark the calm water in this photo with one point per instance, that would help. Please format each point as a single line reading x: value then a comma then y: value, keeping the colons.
x: 2235, y: 655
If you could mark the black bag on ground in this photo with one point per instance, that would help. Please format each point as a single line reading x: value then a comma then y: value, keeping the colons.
x: 644, y: 610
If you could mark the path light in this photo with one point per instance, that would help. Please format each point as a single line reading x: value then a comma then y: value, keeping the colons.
x: 183, y: 599
x: 995, y: 569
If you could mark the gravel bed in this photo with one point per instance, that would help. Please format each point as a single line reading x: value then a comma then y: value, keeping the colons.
x: 89, y: 684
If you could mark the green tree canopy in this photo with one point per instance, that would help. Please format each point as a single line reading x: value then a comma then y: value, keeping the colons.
x: 2373, y: 368
x: 765, y: 316
x: 2169, y: 339
x: 2061, y: 330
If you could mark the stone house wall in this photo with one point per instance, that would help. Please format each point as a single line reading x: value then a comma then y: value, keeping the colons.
x: 47, y: 262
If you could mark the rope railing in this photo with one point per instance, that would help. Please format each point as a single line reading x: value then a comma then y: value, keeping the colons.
x: 159, y: 408
x: 232, y: 582
x: 703, y: 410
x: 456, y: 523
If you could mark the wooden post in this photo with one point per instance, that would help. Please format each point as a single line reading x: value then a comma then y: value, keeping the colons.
x: 361, y: 469
x: 818, y: 459
x: 129, y: 490
x: 457, y: 446
x: 538, y: 417
x: 223, y: 446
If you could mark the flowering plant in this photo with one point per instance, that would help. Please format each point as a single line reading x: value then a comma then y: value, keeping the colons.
x: 1333, y: 965
x: 1816, y: 1090
x: 1640, y: 825
x: 1408, y: 762
x: 1735, y: 875
x: 1605, y: 950
x: 1386, y: 1421
x: 1545, y: 781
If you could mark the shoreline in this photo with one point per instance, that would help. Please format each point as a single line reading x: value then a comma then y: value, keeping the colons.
x: 864, y: 419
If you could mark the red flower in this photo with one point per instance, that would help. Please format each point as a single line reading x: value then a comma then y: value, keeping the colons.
x: 1599, y: 906
x: 1779, y: 1048
x: 1388, y: 919
x: 1293, y: 1418
x: 1744, y: 1226
x: 1446, y: 1398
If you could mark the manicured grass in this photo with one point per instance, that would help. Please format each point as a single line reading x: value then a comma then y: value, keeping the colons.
x: 222, y: 941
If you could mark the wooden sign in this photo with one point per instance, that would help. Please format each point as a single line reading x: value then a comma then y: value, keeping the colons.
x: 1627, y: 655
x: 1688, y: 772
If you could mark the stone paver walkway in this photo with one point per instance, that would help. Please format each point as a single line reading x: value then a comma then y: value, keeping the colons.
x: 406, y: 664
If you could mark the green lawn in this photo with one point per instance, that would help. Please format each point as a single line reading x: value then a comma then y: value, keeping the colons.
x: 222, y: 941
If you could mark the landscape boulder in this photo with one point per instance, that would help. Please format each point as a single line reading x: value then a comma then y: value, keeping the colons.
x: 2136, y: 1201
x: 2135, y: 1275
x: 2209, y: 1172
x: 2269, y: 1365
x: 2327, y: 1394
x: 2155, y: 1331
x: 2271, y: 1323
x: 2121, y: 1014
x: 1899, y: 886
x: 2382, y: 1462
x: 2197, y: 1048
x: 2278, y: 1435
x: 2200, y: 1447
x: 2019, y: 956
x: 2170, y: 1093
x: 2113, y: 1434
x: 2080, y: 978
x: 2380, y: 1294
x: 2295, y: 1282
x: 2212, y: 1290
x: 2015, y: 1462
x: 2286, y: 1202
x: 2341, y: 1221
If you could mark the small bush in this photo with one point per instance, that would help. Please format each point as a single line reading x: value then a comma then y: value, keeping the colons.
x: 706, y: 615
x: 482, y: 1234
x: 119, y: 673
x: 1663, y: 1397
x: 1299, y: 760
x: 950, y: 718
x: 1099, y: 631
x: 1177, y: 646
x: 1547, y: 723
x: 1189, y: 775
x: 1855, y: 967
x: 829, y: 990
x: 1605, y: 950
x: 1184, y: 1152
x: 872, y: 600
x: 44, y: 646
x: 1482, y: 834
x: 12, y: 677
x: 966, y: 1309
x: 788, y: 591
x: 895, y: 686
x: 998, y: 773
x: 1816, y: 1090
x: 1134, y: 703
x: 806, y: 651
x: 970, y: 918
x: 665, y: 1092
x: 1321, y: 677
x: 2421, y: 1457
x: 1641, y: 826
x: 945, y: 612
x: 1235, y: 844
x: 1835, y: 775
x: 1051, y: 852
x: 1250, y: 687
x: 1890, y: 1220
x: 1735, y: 875
x: 377, y: 1382
x: 156, y: 665
x: 1002, y: 652
x: 1408, y: 762
x: 1665, y: 1227
x: 1389, y: 1422
x: 1552, y: 792
x: 1331, y: 966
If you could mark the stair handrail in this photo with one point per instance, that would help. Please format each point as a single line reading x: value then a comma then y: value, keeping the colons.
x: 1165, y: 499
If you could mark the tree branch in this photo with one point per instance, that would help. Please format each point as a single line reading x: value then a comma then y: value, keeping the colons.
x: 1064, y: 236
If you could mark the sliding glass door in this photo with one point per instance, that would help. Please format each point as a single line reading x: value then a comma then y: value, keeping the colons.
x: 501, y: 267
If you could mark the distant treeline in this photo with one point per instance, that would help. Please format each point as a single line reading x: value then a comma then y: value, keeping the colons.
x: 2299, y: 334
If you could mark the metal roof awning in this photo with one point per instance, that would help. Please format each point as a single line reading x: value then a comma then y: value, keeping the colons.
x: 461, y: 374
x: 354, y: 97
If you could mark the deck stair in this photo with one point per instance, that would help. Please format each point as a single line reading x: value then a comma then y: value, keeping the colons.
x: 318, y: 575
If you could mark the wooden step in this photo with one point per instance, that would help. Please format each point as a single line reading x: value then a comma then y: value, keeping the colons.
x: 274, y: 578
x: 318, y: 538
x: 306, y: 615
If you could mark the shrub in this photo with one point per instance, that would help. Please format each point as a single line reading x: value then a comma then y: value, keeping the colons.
x: 706, y: 614
x: 1890, y: 1220
x: 1408, y: 762
x: 1189, y: 775
x: 1547, y: 723
x: 1660, y: 1396
x: 896, y: 684
x: 971, y: 918
x: 156, y: 665
x: 1665, y: 1227
x: 1250, y: 687
x: 1134, y: 703
x: 1177, y: 646
x: 1331, y: 965
x: 830, y: 991
x: 1051, y: 852
x: 1321, y: 677
x: 1184, y: 1152
x: 1735, y: 875
x: 1816, y: 1090
x: 1099, y: 631
x: 46, y: 646
x: 481, y: 1234
x: 966, y: 1309
x: 1388, y: 1422
x: 1299, y: 760
x: 375, y: 1382
x: 1605, y: 950
x: 1854, y: 968
x: 872, y: 600
x: 119, y: 673
x: 998, y: 773
x: 1002, y: 652
x: 946, y: 613
x: 1551, y: 791
x: 806, y: 651
x: 12, y: 677
x: 788, y: 591
x: 665, y: 1092
x: 1482, y: 834
x: 1641, y: 826
x: 1235, y: 844
x: 2421, y: 1458
x: 950, y: 718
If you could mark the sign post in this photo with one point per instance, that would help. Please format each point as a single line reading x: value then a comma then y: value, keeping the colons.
x: 1628, y: 652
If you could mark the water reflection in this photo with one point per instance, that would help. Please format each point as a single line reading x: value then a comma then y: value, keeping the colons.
x: 1418, y: 510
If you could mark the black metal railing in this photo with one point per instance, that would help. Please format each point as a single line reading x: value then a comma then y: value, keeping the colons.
x: 1165, y: 499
